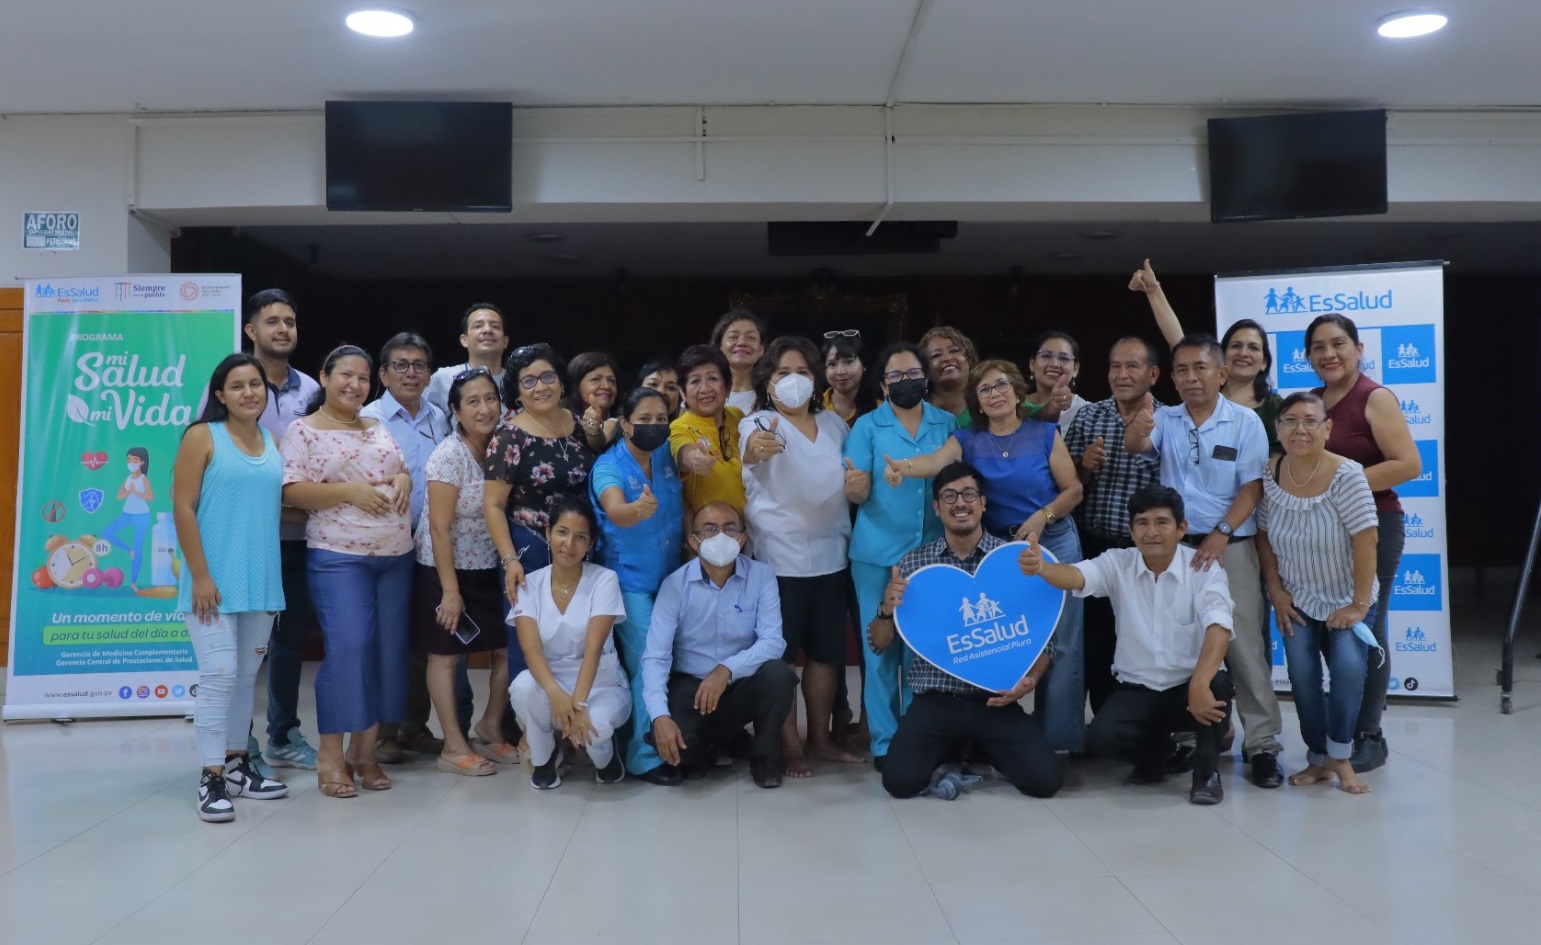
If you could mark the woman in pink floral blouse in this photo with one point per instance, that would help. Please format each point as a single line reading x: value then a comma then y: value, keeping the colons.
x: 349, y: 474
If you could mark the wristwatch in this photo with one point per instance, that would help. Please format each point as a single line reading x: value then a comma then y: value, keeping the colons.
x: 1225, y: 528
x: 882, y: 616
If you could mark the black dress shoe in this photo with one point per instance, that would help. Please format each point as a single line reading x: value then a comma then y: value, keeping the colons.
x: 1180, y: 761
x: 1266, y: 772
x: 666, y: 775
x: 1206, y: 790
x: 878, y: 761
x: 1369, y: 752
x: 766, y: 772
x: 1147, y: 774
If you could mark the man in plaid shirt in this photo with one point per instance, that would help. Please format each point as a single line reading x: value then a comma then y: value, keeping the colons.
x: 947, y: 712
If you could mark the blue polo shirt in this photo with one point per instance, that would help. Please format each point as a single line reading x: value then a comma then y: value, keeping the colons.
x: 646, y: 553
x: 1209, y: 464
x: 894, y: 519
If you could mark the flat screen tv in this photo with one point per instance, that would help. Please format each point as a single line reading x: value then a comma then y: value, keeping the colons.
x: 442, y: 156
x: 1278, y: 167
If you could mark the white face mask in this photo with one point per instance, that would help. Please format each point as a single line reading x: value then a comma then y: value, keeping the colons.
x: 720, y: 550
x: 794, y: 390
x: 133, y: 467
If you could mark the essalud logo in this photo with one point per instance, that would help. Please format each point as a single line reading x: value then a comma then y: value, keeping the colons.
x: 1413, y: 527
x: 1416, y: 641
x: 1290, y: 302
x: 1415, y: 414
x: 118, y: 382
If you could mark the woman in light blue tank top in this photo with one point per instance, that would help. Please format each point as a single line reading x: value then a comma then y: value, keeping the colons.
x: 227, y: 492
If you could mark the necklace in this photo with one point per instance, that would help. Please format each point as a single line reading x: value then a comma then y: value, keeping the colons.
x: 346, y: 423
x: 1314, y: 469
x: 1005, y: 448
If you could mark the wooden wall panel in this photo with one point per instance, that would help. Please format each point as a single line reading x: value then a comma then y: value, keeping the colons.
x: 10, y: 449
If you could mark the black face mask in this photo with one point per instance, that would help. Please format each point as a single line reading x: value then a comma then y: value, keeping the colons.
x: 906, y: 394
x: 649, y: 436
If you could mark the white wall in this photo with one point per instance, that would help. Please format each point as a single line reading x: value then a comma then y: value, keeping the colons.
x: 79, y: 164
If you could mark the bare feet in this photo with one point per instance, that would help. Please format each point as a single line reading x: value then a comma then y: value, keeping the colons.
x: 827, y: 750
x: 1348, y: 781
x: 795, y: 762
x: 1313, y: 774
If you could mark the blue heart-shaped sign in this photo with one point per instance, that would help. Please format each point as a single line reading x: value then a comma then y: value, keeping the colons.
x: 986, y: 629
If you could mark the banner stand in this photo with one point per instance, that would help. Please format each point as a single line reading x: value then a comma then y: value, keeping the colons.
x: 1399, y: 311
x: 113, y: 371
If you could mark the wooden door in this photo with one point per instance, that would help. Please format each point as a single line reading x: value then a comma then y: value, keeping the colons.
x: 10, y: 450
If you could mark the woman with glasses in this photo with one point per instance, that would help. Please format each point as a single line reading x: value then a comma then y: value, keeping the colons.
x: 890, y: 522
x: 1369, y: 428
x: 637, y: 496
x: 595, y: 396
x: 1316, y: 545
x: 848, y: 395
x: 348, y: 472
x: 457, y: 595
x: 1032, y: 486
x: 1055, y: 365
x: 797, y: 511
x: 704, y: 437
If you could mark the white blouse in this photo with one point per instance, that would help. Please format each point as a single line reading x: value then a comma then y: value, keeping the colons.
x: 799, y: 519
x: 564, y: 636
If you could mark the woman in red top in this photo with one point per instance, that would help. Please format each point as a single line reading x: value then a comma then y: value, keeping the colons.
x: 1367, y: 427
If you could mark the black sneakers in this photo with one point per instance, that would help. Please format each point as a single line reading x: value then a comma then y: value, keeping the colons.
x: 613, y: 772
x: 548, y: 776
x: 213, y: 801
x: 244, y: 780
x: 1369, y: 752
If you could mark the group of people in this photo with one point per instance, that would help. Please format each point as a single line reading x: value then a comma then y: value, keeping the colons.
x: 646, y: 564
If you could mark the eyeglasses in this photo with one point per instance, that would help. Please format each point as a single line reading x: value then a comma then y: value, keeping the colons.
x: 999, y: 387
x: 761, y: 423
x: 1062, y: 357
x: 843, y: 333
x: 1193, y: 445
x: 403, y: 366
x: 732, y: 530
x: 1297, y: 423
x: 472, y: 372
x: 913, y: 374
x: 549, y: 378
x: 951, y: 496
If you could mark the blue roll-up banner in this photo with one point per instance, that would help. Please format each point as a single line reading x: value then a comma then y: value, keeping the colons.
x: 987, y: 628
x: 1399, y: 310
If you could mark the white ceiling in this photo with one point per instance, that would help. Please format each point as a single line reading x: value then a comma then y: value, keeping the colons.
x: 171, y: 55
x: 736, y: 250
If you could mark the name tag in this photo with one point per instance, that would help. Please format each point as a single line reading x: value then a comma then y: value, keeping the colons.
x: 1227, y: 453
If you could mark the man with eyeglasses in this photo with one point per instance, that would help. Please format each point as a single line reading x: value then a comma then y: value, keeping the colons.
x: 484, y: 336
x: 947, y: 713
x: 417, y: 426
x: 1214, y: 453
x: 712, y: 663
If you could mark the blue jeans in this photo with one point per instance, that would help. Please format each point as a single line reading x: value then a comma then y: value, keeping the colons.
x: 631, y: 642
x: 884, y: 694
x: 1326, y: 719
x: 362, y: 601
x: 286, y: 652
x: 1060, y: 699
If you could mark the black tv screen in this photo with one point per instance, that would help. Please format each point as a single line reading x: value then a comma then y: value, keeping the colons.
x: 444, y: 156
x: 1278, y: 167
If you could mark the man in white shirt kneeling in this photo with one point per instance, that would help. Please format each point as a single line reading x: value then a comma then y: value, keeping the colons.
x: 1173, y: 625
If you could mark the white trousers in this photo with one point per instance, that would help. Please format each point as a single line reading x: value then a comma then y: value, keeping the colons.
x: 609, y: 707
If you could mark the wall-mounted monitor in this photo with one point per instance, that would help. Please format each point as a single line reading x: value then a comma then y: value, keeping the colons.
x: 1315, y: 164
x: 405, y: 156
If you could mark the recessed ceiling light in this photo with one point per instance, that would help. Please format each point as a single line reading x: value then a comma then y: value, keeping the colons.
x: 382, y: 23
x: 1410, y: 23
x: 546, y: 237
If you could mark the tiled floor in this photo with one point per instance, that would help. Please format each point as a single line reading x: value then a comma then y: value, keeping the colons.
x: 99, y: 843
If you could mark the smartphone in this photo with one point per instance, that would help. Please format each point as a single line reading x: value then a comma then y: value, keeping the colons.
x: 466, y: 630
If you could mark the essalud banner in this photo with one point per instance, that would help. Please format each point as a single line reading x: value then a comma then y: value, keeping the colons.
x: 114, y: 369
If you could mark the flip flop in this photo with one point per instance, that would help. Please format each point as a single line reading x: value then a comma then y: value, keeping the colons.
x: 496, y: 752
x: 473, y: 767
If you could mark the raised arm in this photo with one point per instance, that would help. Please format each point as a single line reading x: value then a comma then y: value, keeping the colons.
x: 1144, y: 281
x: 922, y: 467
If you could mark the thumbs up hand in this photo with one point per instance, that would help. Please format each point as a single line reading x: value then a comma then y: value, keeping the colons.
x: 857, y: 482
x: 894, y: 473
x: 1031, y: 558
x: 1144, y: 280
x: 1062, y: 396
x: 646, y: 504
x: 893, y: 596
x: 1144, y: 422
x: 763, y: 443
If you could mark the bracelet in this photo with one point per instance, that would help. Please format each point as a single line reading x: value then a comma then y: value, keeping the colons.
x: 909, y: 469
x: 882, y: 616
x: 1361, y: 603
x: 511, y: 556
x: 581, y: 705
x: 1049, y: 516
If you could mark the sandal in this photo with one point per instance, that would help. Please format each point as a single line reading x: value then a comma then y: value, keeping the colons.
x: 335, y: 782
x: 371, y: 776
x: 472, y: 766
x: 497, y: 752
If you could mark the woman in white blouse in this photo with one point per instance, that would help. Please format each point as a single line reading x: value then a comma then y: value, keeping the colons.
x: 800, y: 525
x: 1316, y: 544
x: 574, y: 684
